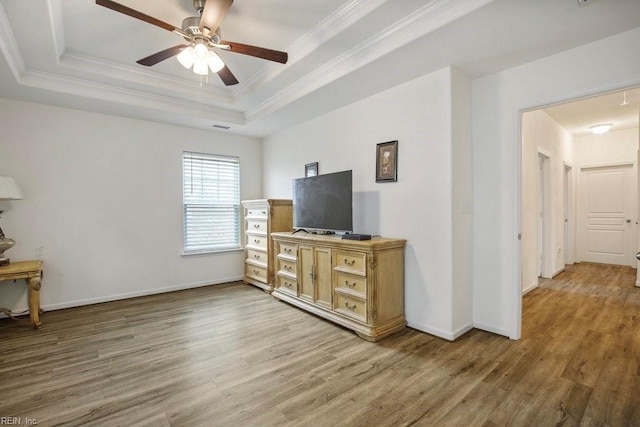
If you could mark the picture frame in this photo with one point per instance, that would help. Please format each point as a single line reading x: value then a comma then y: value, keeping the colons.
x: 311, y: 169
x: 387, y: 161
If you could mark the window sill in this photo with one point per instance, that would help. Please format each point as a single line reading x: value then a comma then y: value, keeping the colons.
x: 209, y: 252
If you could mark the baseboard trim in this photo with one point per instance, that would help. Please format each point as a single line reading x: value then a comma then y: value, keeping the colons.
x: 492, y: 329
x: 529, y: 288
x: 450, y: 336
x: 128, y: 295
x: 461, y: 331
x: 558, y: 271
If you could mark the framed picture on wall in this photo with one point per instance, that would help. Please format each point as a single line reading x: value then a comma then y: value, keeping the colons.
x: 387, y: 162
x: 311, y: 169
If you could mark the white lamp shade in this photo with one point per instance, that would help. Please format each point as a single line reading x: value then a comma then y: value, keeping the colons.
x: 214, y: 61
x: 186, y: 57
x: 200, y: 67
x: 9, y: 189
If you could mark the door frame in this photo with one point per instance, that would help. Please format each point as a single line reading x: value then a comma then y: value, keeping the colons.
x: 515, y: 330
x: 545, y: 225
x: 569, y: 188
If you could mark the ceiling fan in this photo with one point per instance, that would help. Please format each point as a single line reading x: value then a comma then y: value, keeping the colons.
x: 202, y: 34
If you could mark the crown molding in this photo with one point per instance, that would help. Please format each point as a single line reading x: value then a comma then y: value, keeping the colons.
x: 74, y: 61
x: 136, y: 98
x: 54, y: 9
x: 423, y: 21
x: 349, y: 13
x: 9, y: 47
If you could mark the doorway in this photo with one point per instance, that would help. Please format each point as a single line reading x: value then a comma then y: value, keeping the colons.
x: 550, y: 236
x: 554, y: 161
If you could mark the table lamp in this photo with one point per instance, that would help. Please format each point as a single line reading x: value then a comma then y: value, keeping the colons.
x: 9, y: 190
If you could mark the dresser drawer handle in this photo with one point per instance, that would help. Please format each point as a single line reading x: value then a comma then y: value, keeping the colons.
x: 264, y: 212
x: 350, y: 307
x: 287, y: 250
x: 256, y: 271
x: 349, y: 285
x: 349, y: 263
x: 256, y: 225
x: 256, y: 256
x: 288, y: 285
x: 288, y: 267
x: 256, y: 241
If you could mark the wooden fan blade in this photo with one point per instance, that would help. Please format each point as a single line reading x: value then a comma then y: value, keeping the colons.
x: 227, y: 76
x: 213, y: 13
x: 258, y: 52
x: 162, y: 55
x: 138, y: 15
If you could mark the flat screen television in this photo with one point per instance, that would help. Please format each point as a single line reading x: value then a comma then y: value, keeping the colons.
x: 323, y: 203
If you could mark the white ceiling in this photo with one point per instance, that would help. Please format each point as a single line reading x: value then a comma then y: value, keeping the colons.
x: 620, y: 109
x: 76, y: 54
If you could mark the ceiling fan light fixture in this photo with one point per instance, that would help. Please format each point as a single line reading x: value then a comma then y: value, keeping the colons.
x: 200, y: 51
x: 601, y: 128
x: 214, y: 62
x: 186, y: 57
x: 200, y: 67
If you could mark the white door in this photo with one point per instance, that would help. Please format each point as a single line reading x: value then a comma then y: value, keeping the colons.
x: 607, y: 220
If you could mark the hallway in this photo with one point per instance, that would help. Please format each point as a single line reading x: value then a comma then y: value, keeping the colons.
x: 588, y: 316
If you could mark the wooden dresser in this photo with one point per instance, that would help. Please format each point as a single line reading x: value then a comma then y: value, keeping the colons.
x: 261, y: 218
x: 357, y: 284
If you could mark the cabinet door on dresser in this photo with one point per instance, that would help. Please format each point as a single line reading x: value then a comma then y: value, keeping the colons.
x: 315, y: 274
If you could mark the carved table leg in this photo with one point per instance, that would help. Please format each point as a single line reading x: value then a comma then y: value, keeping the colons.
x: 33, y: 284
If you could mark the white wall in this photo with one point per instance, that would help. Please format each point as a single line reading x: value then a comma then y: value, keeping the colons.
x: 497, y: 104
x: 103, y: 199
x: 418, y: 207
x: 541, y: 132
x: 609, y: 148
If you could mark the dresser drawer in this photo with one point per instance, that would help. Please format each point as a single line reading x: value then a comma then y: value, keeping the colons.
x: 287, y: 284
x: 257, y: 226
x: 288, y: 250
x: 257, y: 256
x: 353, y: 307
x: 257, y: 212
x: 255, y: 272
x: 351, y: 283
x: 257, y: 241
x: 287, y: 266
x: 353, y: 261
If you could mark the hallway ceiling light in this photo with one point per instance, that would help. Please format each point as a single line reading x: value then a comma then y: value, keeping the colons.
x: 601, y: 128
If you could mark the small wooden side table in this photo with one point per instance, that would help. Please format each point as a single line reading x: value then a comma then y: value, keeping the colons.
x: 31, y: 272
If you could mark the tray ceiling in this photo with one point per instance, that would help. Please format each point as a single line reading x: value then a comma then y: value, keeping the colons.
x: 76, y: 54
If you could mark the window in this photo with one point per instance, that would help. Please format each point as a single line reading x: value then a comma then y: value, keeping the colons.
x: 211, y: 202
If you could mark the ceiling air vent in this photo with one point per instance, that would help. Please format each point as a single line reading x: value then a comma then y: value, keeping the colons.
x: 586, y: 2
x: 221, y: 127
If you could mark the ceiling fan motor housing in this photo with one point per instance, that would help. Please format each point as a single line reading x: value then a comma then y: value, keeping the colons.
x: 191, y: 26
x: 199, y: 5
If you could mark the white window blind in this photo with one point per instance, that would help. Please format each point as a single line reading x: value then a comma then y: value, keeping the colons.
x: 211, y: 201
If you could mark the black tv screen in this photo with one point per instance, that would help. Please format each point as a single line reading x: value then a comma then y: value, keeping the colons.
x: 323, y: 202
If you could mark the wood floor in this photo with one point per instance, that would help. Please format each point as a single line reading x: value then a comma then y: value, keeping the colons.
x: 231, y: 355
